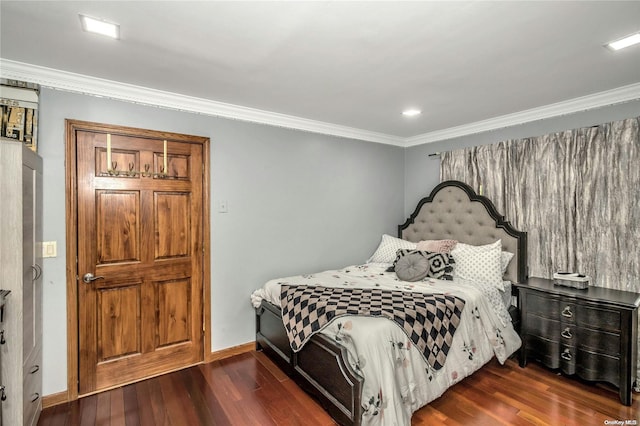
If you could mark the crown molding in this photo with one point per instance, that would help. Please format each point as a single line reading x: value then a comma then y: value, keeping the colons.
x: 583, y: 103
x: 78, y: 83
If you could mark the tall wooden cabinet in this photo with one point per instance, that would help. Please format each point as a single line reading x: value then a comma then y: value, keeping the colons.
x: 20, y: 257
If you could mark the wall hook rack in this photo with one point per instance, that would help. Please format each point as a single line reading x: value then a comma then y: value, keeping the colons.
x: 130, y: 172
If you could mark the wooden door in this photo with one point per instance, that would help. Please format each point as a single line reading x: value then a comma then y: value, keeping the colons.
x: 140, y: 234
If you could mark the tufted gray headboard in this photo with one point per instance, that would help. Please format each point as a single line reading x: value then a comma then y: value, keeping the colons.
x: 454, y: 211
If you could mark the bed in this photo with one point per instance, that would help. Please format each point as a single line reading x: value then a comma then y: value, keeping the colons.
x: 331, y: 364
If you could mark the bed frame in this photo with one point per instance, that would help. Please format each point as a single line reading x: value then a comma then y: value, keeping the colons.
x: 452, y: 211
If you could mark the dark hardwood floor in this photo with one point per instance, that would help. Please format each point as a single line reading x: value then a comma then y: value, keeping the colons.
x: 248, y: 389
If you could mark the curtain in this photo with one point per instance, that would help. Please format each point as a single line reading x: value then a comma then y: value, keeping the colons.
x: 576, y: 193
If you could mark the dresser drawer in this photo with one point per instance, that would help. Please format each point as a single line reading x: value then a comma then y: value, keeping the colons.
x: 599, y: 318
x: 544, y: 350
x: 542, y: 327
x: 32, y: 400
x: 556, y: 308
x: 32, y: 390
x: 598, y: 341
x: 597, y: 366
x: 542, y: 305
x: 593, y: 340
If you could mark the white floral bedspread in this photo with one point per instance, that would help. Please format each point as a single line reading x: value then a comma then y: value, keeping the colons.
x: 397, y: 379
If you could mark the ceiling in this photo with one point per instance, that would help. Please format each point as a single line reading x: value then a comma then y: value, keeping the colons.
x: 355, y: 65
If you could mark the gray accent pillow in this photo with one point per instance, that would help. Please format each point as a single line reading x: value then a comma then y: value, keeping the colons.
x: 441, y: 264
x: 412, y: 267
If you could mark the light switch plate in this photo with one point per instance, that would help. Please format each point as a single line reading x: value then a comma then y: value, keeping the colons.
x: 223, y: 207
x: 49, y: 249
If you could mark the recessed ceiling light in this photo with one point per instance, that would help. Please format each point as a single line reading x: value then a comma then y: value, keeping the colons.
x: 411, y: 112
x: 100, y: 26
x: 624, y: 42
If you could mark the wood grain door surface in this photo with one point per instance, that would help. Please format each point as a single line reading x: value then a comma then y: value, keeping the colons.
x: 143, y: 234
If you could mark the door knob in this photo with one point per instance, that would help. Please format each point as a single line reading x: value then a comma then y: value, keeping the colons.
x: 88, y: 278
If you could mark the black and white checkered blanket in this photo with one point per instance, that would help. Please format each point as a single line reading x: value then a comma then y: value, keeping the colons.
x: 429, y: 320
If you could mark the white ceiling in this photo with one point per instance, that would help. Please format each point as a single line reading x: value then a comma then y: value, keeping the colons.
x: 352, y: 64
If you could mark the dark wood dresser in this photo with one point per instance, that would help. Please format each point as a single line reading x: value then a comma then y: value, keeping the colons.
x: 592, y: 333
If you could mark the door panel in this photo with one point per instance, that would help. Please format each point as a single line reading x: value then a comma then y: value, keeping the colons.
x: 124, y: 160
x: 179, y: 166
x: 118, y: 322
x: 118, y: 226
x: 174, y: 311
x: 140, y: 231
x: 173, y: 221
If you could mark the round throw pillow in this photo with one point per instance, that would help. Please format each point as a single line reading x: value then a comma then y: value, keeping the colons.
x: 412, y: 267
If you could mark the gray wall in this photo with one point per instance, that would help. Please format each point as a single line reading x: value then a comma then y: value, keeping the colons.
x: 422, y: 172
x: 297, y: 201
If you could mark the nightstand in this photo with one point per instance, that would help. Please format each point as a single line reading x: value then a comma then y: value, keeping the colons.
x: 592, y: 333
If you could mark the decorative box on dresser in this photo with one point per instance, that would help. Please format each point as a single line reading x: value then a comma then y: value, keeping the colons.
x: 592, y: 333
x: 20, y: 256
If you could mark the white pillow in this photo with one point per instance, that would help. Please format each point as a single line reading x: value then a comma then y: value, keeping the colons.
x: 386, y: 251
x: 505, y: 258
x: 479, y: 263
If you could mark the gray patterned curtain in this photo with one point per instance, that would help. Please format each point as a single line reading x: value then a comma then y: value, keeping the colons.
x: 576, y: 193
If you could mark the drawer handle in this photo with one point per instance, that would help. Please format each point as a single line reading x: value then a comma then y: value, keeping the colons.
x: 2, y: 339
x: 34, y: 369
x: 35, y: 397
x: 566, y: 312
x: 566, y: 355
x: 3, y: 396
x: 566, y: 333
